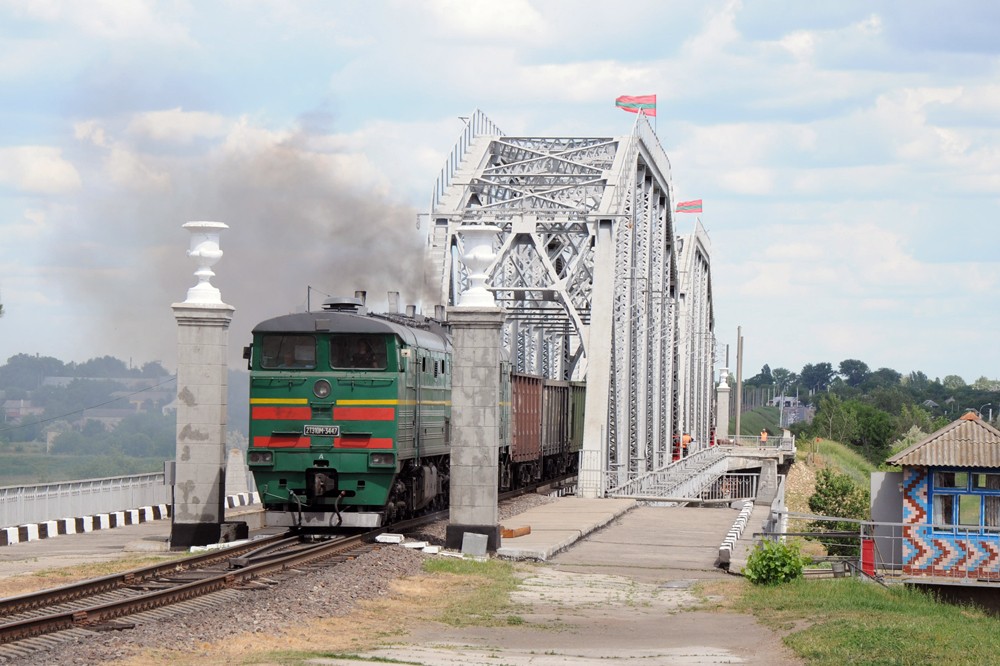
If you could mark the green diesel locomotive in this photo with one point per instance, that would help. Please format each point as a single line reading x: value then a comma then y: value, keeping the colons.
x: 350, y: 415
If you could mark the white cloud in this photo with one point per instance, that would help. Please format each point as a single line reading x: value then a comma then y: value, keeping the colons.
x: 129, y: 169
x: 177, y: 126
x: 801, y: 44
x: 105, y: 19
x: 496, y: 21
x: 38, y: 170
x: 92, y: 131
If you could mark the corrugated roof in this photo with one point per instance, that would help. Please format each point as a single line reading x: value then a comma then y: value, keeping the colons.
x: 967, y: 442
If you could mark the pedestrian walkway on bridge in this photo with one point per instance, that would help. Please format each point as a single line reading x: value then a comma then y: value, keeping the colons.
x: 670, y: 536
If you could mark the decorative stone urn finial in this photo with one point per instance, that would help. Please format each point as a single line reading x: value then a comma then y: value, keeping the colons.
x: 477, y: 255
x: 205, y: 251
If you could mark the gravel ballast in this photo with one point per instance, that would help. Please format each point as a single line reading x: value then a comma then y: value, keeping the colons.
x: 297, y: 598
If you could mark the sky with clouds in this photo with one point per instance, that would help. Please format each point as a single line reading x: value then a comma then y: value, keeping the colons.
x: 848, y: 156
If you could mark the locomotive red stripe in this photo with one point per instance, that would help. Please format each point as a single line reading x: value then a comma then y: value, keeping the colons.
x: 283, y: 442
x: 364, y: 413
x: 362, y: 443
x: 281, y: 413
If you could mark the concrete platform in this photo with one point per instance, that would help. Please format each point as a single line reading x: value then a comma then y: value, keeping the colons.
x: 558, y: 525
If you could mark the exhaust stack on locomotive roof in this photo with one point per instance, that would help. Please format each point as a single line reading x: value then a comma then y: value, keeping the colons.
x: 393, y: 302
x: 341, y: 304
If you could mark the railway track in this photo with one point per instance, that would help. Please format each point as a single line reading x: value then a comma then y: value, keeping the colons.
x: 38, y: 621
x: 42, y: 620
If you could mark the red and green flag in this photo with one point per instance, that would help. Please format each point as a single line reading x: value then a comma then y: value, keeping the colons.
x: 689, y: 206
x: 638, y: 104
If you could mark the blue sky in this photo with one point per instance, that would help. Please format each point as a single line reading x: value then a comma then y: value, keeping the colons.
x: 848, y: 155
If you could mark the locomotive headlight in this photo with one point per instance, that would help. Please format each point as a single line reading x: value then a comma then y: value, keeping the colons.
x: 261, y: 457
x: 321, y: 389
x: 381, y: 460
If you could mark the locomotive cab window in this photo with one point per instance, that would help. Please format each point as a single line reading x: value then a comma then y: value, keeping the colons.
x: 296, y: 352
x: 358, y: 352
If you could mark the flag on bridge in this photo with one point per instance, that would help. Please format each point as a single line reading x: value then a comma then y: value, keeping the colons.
x: 689, y: 206
x: 642, y: 103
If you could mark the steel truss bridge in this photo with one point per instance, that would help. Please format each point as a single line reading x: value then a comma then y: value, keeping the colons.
x: 595, y: 282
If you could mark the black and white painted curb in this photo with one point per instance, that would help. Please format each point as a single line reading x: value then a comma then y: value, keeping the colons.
x: 102, y: 521
x: 726, y: 549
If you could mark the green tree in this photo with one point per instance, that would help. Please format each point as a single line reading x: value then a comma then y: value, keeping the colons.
x: 874, y: 432
x: 784, y: 377
x: 27, y: 372
x: 816, y: 377
x: 986, y: 384
x: 763, y: 378
x: 912, y: 416
x: 889, y: 398
x: 105, y: 366
x: 154, y: 369
x: 834, y: 419
x: 853, y: 371
x: 953, y: 382
x: 882, y: 377
x: 837, y: 496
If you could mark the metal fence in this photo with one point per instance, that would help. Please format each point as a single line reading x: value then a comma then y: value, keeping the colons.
x: 907, y: 552
x: 49, y: 501
x: 730, y: 488
x: 681, y: 480
x: 754, y: 441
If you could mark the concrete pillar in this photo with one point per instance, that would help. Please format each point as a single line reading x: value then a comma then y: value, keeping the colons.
x: 722, y: 406
x: 475, y: 425
x: 202, y: 344
x: 767, y: 485
x: 476, y: 325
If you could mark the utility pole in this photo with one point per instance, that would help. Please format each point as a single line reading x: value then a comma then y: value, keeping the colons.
x: 739, y: 378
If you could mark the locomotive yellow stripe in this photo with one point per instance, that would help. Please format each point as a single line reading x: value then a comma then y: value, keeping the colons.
x: 279, y: 401
x: 305, y: 401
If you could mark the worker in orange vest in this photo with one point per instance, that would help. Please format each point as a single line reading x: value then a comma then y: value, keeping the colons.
x: 685, y: 443
x: 763, y: 437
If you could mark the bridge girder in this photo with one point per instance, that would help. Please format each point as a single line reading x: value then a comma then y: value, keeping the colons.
x: 587, y: 272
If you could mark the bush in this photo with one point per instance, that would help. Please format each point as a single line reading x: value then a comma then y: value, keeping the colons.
x: 838, y: 496
x: 773, y: 562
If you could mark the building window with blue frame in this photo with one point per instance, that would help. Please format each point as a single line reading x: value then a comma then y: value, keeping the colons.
x: 966, y: 499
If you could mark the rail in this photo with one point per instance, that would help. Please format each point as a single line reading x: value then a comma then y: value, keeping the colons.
x: 786, y: 444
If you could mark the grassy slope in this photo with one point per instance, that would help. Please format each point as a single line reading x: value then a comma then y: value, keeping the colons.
x: 751, y: 423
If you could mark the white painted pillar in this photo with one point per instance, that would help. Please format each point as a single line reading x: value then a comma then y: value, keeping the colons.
x: 722, y: 406
x: 202, y: 344
x: 476, y: 324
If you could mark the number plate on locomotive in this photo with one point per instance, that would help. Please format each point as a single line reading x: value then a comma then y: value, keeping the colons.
x: 321, y: 430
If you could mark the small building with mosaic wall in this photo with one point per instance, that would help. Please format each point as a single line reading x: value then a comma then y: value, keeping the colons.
x: 951, y: 502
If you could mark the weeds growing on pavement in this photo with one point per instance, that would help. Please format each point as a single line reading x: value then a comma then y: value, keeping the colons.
x: 488, y: 600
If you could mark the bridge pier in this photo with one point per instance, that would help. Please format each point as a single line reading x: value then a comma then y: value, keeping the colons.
x: 202, y: 342
x: 476, y: 324
x: 475, y: 425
